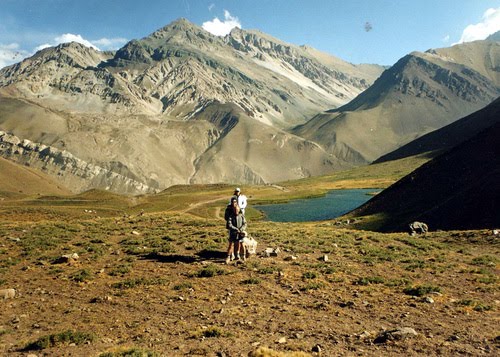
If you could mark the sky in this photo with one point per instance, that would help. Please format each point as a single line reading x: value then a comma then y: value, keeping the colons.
x: 357, y: 31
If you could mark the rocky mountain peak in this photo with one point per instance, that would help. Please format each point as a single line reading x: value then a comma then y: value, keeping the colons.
x: 179, y: 26
x: 494, y: 37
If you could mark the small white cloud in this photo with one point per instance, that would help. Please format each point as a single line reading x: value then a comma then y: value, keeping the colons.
x: 446, y: 38
x: 69, y: 37
x: 107, y: 44
x: 104, y: 44
x: 211, y: 6
x: 222, y: 28
x: 10, y: 54
x: 479, y: 31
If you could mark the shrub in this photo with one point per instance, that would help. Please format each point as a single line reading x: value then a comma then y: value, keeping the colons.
x: 312, y: 286
x: 210, y: 271
x: 182, y: 286
x: 369, y: 280
x: 59, y: 339
x: 251, y: 281
x: 120, y: 270
x: 421, y: 290
x: 213, y: 332
x: 484, y: 260
x: 82, y: 276
x: 310, y: 275
x: 132, y: 283
x: 133, y: 352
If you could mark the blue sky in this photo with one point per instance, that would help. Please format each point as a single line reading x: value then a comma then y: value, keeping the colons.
x: 358, y: 31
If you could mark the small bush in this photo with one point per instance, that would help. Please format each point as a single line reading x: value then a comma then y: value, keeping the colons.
x: 213, y: 332
x: 120, y: 270
x: 421, y: 290
x: 210, y: 271
x: 63, y: 338
x: 132, y: 283
x: 133, y: 352
x: 183, y: 286
x: 310, y: 275
x: 251, y: 281
x: 312, y: 286
x: 484, y: 260
x: 369, y: 280
x: 268, y: 270
x: 481, y: 307
x: 82, y: 276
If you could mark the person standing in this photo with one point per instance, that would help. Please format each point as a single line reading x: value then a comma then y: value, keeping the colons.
x: 242, y: 199
x: 236, y: 223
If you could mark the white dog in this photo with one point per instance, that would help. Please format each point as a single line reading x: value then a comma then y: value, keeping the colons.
x: 249, y: 244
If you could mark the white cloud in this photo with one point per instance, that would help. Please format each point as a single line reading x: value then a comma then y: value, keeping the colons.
x: 107, y: 44
x: 222, y: 28
x: 211, y: 6
x: 69, y: 37
x: 479, y: 31
x: 446, y: 38
x: 10, y: 54
x: 104, y: 44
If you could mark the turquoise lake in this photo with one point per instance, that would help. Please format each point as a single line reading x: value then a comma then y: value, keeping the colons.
x: 332, y: 205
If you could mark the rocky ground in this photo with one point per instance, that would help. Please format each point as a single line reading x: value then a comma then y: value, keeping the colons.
x: 157, y: 285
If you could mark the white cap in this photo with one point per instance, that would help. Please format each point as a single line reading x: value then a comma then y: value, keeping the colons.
x: 237, y: 189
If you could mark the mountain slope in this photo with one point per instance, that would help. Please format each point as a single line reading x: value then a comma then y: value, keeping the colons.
x: 422, y: 92
x: 17, y: 180
x: 456, y: 190
x: 450, y: 135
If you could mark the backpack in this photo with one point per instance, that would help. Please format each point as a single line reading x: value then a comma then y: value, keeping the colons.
x: 227, y: 214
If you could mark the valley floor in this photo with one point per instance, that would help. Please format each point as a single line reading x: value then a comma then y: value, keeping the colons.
x: 156, y: 283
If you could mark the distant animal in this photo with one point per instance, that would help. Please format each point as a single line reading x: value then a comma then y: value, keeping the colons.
x: 418, y: 228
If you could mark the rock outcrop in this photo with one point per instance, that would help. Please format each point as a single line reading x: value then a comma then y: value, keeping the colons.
x: 73, y: 172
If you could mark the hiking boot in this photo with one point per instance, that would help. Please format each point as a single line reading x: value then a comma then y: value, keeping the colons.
x: 232, y: 256
x: 228, y: 259
x: 238, y: 257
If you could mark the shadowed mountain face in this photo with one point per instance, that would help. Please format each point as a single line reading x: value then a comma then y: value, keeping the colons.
x: 456, y: 190
x: 422, y: 92
x: 177, y: 106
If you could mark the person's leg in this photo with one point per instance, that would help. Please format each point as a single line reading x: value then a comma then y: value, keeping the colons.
x: 237, y: 249
x: 243, y: 250
x: 229, y: 250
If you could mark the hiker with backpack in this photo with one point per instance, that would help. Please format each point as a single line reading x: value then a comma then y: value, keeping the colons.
x: 236, y: 224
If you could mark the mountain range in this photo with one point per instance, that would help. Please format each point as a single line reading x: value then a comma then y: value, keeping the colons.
x: 422, y: 92
x: 184, y: 106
